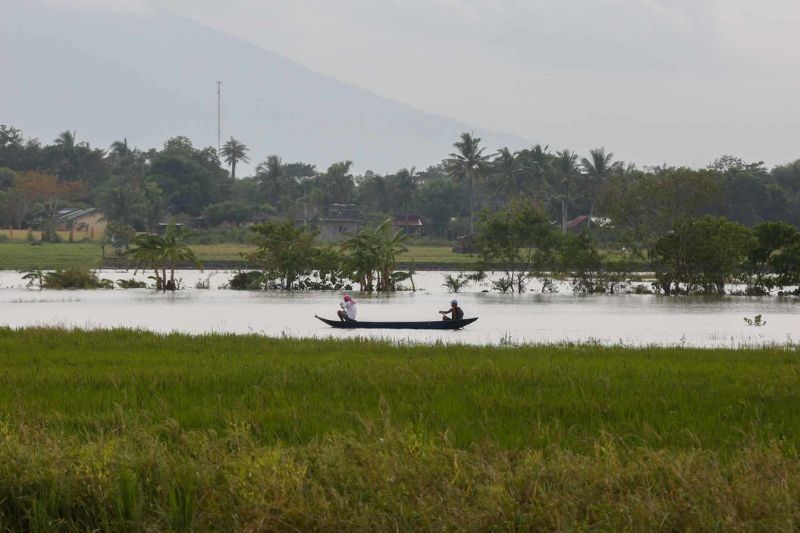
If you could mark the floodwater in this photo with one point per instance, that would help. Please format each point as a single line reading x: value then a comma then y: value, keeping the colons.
x: 503, y: 319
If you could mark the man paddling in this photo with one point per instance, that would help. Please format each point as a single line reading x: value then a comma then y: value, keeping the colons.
x: 348, y: 309
x: 455, y: 312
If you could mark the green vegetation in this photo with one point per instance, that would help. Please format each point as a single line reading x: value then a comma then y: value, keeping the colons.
x: 125, y: 430
x: 161, y: 253
x: 24, y: 256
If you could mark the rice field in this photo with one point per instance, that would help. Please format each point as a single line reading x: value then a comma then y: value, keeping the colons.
x: 127, y: 430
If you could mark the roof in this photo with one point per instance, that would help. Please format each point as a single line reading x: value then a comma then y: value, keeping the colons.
x: 407, y: 220
x: 74, y: 214
x: 577, y: 221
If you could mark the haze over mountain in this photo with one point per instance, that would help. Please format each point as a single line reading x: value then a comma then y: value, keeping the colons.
x: 150, y: 75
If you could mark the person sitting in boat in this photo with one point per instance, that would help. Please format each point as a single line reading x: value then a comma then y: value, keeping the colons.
x: 455, y: 312
x: 348, y: 309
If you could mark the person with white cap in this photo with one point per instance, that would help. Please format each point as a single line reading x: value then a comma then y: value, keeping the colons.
x: 455, y: 312
x: 348, y: 309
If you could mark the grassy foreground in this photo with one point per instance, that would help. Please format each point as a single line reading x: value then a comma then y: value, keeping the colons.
x: 124, y: 430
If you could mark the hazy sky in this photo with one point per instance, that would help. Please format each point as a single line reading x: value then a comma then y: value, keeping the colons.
x: 675, y: 81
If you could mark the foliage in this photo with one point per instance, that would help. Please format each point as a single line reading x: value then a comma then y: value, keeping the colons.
x: 457, y: 282
x: 234, y: 152
x: 132, y: 283
x: 286, y: 253
x: 247, y: 281
x: 34, y: 278
x: 74, y: 278
x: 519, y: 238
x: 369, y: 257
x: 468, y: 164
x: 774, y: 261
x: 700, y: 255
x: 161, y: 253
x: 580, y: 259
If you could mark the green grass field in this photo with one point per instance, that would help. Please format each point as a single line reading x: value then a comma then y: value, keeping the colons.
x: 49, y: 256
x: 123, y: 430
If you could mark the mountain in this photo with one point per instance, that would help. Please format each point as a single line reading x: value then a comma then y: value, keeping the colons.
x: 152, y: 75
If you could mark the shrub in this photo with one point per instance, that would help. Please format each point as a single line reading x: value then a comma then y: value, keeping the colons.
x: 247, y: 281
x: 75, y: 278
x: 131, y: 284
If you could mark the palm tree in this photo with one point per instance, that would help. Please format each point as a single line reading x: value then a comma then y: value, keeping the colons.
x: 508, y: 167
x: 404, y: 189
x: 233, y: 151
x: 161, y: 252
x: 120, y: 148
x: 66, y: 141
x: 174, y: 249
x: 272, y: 178
x: 597, y: 170
x: 539, y: 160
x: 468, y: 164
x: 565, y: 165
x: 146, y: 253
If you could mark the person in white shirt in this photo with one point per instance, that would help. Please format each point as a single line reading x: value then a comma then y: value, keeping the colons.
x: 348, y: 309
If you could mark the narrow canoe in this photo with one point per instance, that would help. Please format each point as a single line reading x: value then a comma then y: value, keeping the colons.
x: 436, y: 324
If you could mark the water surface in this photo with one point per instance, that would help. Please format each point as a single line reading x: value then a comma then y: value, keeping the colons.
x: 527, y: 318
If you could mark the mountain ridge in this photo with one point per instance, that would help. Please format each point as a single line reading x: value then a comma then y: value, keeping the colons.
x: 152, y: 76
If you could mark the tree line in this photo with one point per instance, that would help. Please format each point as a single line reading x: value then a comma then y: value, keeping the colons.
x: 695, y: 255
x: 140, y: 188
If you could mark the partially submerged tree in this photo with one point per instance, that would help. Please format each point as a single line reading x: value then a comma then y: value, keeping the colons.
x: 370, y: 256
x: 162, y: 253
x: 520, y: 240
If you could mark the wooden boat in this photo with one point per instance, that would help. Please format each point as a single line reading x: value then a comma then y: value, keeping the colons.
x: 436, y: 324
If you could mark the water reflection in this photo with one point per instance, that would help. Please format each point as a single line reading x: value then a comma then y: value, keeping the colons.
x: 539, y: 318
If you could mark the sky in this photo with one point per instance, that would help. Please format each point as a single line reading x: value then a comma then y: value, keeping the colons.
x: 654, y: 81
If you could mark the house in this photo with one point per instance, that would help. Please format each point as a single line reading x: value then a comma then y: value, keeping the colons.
x: 161, y: 228
x: 408, y: 224
x: 334, y: 222
x: 583, y: 222
x: 82, y: 224
x: 338, y: 221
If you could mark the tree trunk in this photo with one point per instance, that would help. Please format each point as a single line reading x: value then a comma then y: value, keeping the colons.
x: 471, y: 218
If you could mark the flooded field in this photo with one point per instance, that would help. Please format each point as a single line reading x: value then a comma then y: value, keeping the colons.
x: 503, y: 319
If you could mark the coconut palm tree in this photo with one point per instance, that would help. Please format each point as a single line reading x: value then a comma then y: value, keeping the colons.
x: 272, y: 178
x: 404, y: 189
x: 233, y: 152
x: 566, y: 168
x: 597, y: 169
x: 468, y: 164
x: 120, y: 148
x: 507, y: 169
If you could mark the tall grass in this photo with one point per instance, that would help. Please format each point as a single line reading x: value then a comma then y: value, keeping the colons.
x: 128, y: 430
